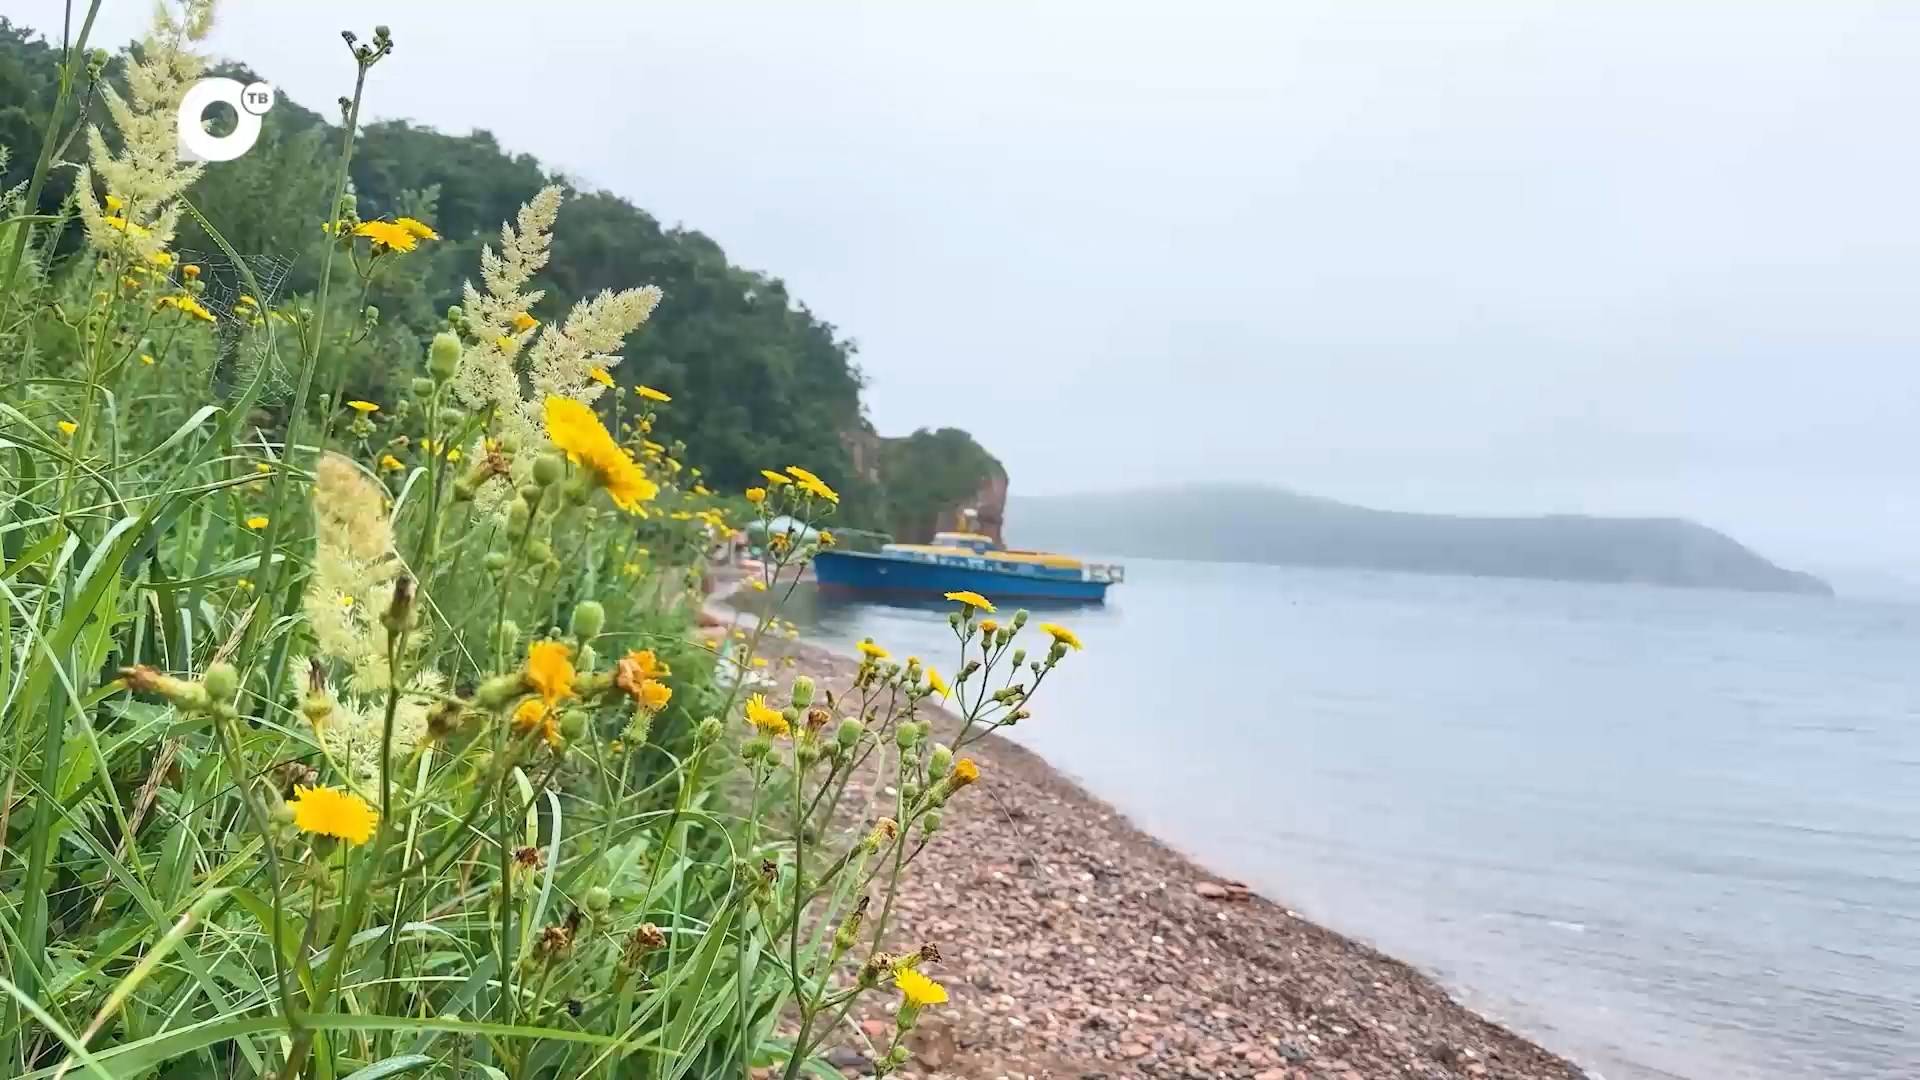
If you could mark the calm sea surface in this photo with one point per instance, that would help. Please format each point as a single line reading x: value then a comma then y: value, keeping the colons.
x: 1669, y: 833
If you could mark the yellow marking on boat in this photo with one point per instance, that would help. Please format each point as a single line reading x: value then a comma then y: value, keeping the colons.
x: 1058, y: 562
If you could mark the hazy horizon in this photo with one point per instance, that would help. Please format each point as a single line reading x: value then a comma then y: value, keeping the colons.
x: 1566, y: 257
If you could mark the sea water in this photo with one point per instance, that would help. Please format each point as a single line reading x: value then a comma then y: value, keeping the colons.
x: 1668, y: 833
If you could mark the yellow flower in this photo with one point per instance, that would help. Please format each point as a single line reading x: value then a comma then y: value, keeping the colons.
x: 1060, y: 634
x: 757, y: 585
x: 346, y: 601
x: 419, y: 229
x: 453, y: 454
x: 813, y: 484
x: 973, y: 599
x: 125, y: 226
x: 114, y: 203
x: 938, y: 684
x: 390, y: 463
x: 651, y: 394
x: 191, y: 271
x: 759, y: 661
x: 68, y: 427
x: 257, y: 521
x: 871, y: 651
x: 523, y: 322
x: 774, y: 479
x: 600, y: 376
x: 766, y: 719
x: 161, y: 259
x: 262, y: 467
x: 247, y: 301
x: 578, y: 432
x: 550, y: 670
x: 363, y: 407
x: 918, y: 990
x: 654, y: 695
x: 534, y: 715
x: 388, y: 234
x: 146, y: 359
x: 700, y: 489
x: 332, y: 812
x: 965, y: 772
x: 987, y: 627
x: 826, y: 539
x: 756, y: 496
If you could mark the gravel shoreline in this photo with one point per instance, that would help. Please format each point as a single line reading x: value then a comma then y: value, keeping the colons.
x: 1076, y: 946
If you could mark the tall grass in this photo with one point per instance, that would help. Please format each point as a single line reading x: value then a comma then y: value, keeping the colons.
x: 363, y: 739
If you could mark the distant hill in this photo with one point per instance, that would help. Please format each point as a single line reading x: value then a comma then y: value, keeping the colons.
x: 1270, y: 525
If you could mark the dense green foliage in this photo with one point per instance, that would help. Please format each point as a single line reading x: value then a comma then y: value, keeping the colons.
x: 755, y: 375
x: 929, y: 475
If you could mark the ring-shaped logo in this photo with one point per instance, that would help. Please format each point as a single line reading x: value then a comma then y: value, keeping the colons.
x: 250, y: 101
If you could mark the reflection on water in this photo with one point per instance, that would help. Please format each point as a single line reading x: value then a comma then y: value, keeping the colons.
x: 1671, y: 833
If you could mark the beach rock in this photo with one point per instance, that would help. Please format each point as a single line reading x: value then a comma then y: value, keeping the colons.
x: 849, y: 1061
x: 1209, y: 890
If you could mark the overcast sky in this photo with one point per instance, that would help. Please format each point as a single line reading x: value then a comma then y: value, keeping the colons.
x: 1493, y: 257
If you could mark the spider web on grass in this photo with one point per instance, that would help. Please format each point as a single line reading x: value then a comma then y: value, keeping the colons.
x: 242, y: 348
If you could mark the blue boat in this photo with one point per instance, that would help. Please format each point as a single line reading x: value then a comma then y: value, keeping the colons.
x: 961, y: 561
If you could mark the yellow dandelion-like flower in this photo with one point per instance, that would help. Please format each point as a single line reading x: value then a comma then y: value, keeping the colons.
x: 600, y: 376
x: 390, y: 463
x: 938, y: 684
x: 766, y: 719
x: 759, y: 661
x: 987, y: 627
x: 68, y: 427
x: 161, y: 259
x: 190, y: 271
x: 262, y: 467
x: 575, y: 429
x: 654, y: 695
x: 651, y: 394
x: 550, y: 670
x: 757, y: 585
x: 756, y: 495
x: 965, y: 772
x: 1061, y: 634
x: 257, y: 522
x: 871, y: 651
x: 117, y: 222
x: 918, y: 990
x: 363, y: 407
x: 774, y: 479
x: 826, y: 539
x: 812, y: 484
x: 973, y: 599
x: 523, y: 322
x: 419, y: 229
x: 145, y: 359
x: 534, y: 715
x: 390, y: 235
x: 115, y: 203
x: 326, y: 811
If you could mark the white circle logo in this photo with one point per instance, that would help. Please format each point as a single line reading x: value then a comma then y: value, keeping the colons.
x: 250, y: 101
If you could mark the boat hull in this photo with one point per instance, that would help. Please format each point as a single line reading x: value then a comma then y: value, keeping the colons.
x: 879, y: 575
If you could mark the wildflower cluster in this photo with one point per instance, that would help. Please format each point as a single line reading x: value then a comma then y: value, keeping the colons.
x: 363, y: 727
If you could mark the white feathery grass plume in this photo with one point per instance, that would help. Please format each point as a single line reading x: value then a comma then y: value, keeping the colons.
x: 354, y: 569
x: 351, y: 730
x: 145, y: 179
x: 486, y: 377
x: 560, y: 362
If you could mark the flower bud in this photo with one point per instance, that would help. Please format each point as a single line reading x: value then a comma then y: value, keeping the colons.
x: 930, y: 821
x: 756, y: 748
x: 548, y: 469
x: 953, y: 620
x: 222, y: 681
x: 421, y: 386
x: 573, y: 724
x: 597, y: 900
x: 940, y: 759
x: 1019, y: 657
x: 142, y: 679
x: 495, y: 561
x: 1020, y: 619
x: 899, y: 1055
x: 849, y: 732
x: 905, y: 735
x: 443, y: 356
x: 708, y: 732
x: 497, y: 691
x: 539, y: 551
x: 589, y: 618
x: 802, y: 691
x: 519, y: 513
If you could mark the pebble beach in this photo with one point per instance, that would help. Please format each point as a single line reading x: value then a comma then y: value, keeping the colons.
x: 1076, y: 946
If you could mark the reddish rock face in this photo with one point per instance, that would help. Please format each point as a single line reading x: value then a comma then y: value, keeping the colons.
x: 990, y: 502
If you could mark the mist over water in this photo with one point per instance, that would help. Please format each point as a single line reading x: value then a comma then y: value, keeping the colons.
x: 1666, y: 832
